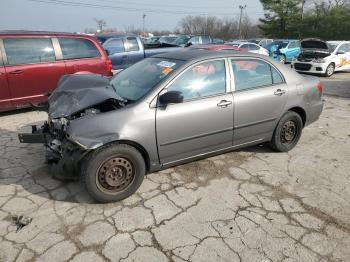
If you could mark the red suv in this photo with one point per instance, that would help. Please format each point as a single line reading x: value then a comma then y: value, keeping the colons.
x: 31, y: 63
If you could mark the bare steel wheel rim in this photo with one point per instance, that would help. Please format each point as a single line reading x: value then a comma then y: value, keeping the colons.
x: 289, y: 132
x: 115, y: 175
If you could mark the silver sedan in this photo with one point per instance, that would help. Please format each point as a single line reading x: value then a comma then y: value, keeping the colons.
x: 170, y: 109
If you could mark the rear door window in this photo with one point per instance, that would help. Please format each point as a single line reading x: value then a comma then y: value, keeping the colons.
x: 253, y: 47
x: 29, y: 51
x: 131, y: 44
x: 76, y: 48
x: 114, y: 46
x: 258, y: 74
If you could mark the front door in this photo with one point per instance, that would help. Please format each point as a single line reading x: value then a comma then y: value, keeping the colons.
x: 259, y: 99
x: 203, y: 122
x: 343, y: 57
x: 31, y: 69
x: 5, y: 95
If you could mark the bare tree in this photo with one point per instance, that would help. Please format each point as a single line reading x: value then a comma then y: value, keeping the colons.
x: 218, y: 28
x: 100, y: 23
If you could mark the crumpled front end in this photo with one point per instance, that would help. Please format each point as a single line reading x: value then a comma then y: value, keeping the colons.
x: 77, y: 97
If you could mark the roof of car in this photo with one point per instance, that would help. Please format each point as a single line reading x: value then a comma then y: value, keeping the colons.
x: 25, y: 33
x: 188, y: 54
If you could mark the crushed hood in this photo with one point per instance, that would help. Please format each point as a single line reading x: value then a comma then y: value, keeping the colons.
x: 78, y: 92
x: 313, y: 43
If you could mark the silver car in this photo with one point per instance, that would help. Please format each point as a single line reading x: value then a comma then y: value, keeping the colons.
x: 170, y: 109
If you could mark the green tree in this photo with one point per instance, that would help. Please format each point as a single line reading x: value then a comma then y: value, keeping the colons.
x: 282, y: 18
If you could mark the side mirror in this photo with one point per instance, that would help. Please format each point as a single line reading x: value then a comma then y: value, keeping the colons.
x: 171, y: 97
x: 340, y: 52
x: 107, y: 52
x: 188, y: 44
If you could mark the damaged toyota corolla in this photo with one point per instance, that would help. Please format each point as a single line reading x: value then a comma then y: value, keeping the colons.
x: 171, y: 109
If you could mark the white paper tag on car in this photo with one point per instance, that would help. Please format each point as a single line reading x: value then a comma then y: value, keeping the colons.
x: 166, y: 64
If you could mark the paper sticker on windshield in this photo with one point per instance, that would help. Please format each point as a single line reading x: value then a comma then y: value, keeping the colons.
x: 166, y: 64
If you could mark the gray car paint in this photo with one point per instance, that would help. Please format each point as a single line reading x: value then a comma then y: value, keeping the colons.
x: 194, y: 129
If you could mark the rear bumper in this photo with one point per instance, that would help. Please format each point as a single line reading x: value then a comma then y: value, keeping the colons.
x: 314, y: 112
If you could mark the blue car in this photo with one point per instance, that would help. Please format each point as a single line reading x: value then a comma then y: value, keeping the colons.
x: 284, y: 50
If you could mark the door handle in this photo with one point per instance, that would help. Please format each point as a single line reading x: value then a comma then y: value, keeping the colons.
x: 279, y: 92
x: 224, y: 103
x: 16, y: 72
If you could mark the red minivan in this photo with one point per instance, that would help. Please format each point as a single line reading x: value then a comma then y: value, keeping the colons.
x: 31, y: 64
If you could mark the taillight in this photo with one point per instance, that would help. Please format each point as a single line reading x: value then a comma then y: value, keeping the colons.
x: 109, y: 65
x: 320, y: 87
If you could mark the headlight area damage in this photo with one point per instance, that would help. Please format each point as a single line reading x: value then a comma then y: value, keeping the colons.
x: 76, y: 96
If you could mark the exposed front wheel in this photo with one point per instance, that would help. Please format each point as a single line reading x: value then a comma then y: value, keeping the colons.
x: 113, y: 173
x: 330, y: 70
x: 287, y: 132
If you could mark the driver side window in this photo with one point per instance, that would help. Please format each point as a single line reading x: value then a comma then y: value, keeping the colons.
x: 205, y: 79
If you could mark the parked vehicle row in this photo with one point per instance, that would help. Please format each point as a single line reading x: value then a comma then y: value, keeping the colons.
x: 249, y: 47
x: 155, y: 114
x: 31, y: 64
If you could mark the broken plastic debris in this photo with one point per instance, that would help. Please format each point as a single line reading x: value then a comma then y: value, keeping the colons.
x: 21, y: 221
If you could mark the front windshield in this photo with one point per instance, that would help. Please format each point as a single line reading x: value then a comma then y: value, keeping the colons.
x: 136, y: 81
x: 332, y: 46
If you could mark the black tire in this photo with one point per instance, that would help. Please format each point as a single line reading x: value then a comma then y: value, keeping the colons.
x: 113, y: 172
x: 329, y: 70
x: 287, y: 132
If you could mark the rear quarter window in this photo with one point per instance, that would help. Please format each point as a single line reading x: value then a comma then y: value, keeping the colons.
x: 131, y: 44
x: 77, y: 48
x: 29, y: 50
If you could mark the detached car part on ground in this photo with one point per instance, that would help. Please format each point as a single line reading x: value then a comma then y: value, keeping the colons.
x: 171, y: 109
x: 320, y: 57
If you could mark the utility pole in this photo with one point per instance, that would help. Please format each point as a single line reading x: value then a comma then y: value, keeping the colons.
x: 240, y: 20
x: 143, y: 24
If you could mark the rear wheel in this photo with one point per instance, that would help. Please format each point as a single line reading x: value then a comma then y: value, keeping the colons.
x: 330, y: 70
x: 113, y: 173
x: 287, y: 132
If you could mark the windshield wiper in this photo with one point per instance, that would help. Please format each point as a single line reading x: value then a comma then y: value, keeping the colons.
x: 125, y: 101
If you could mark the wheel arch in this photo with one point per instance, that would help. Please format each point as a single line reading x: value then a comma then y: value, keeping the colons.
x: 136, y: 145
x: 300, y: 111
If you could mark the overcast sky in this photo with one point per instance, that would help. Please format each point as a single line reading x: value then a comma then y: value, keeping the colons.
x: 160, y: 14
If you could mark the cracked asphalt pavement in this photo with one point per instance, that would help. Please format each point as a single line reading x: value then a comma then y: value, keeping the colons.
x: 247, y: 205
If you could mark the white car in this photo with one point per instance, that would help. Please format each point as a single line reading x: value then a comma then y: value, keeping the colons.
x: 320, y: 57
x: 250, y: 47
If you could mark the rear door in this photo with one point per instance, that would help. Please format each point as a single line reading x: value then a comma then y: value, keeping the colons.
x: 5, y: 95
x: 32, y: 70
x: 116, y: 52
x: 260, y: 95
x: 203, y: 122
x: 134, y: 52
x: 81, y: 55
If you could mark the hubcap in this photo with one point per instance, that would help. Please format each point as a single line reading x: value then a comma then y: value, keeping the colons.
x: 289, y: 132
x: 115, y: 175
x: 330, y: 70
